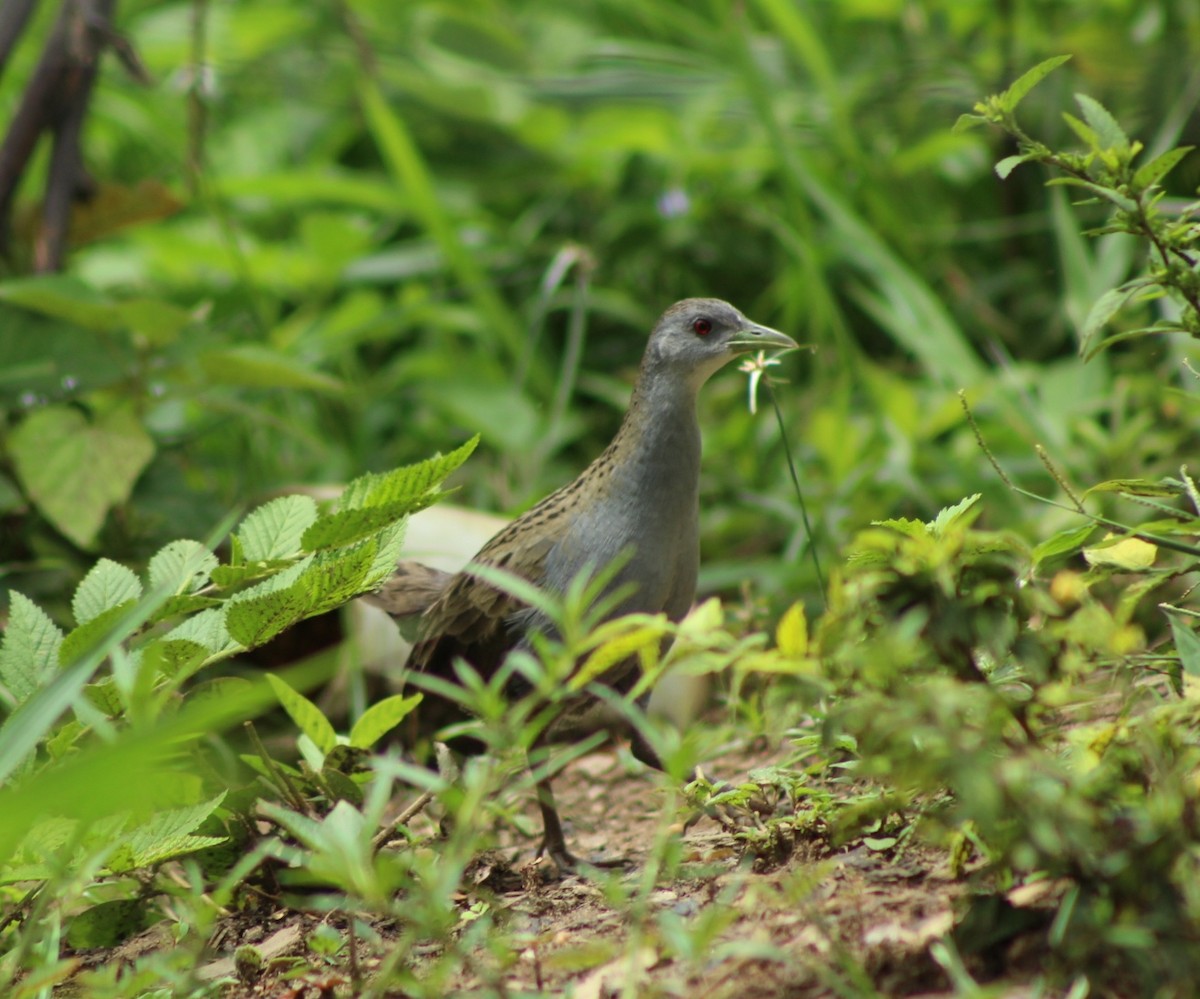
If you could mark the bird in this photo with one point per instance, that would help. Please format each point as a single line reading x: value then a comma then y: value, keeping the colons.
x: 638, y: 503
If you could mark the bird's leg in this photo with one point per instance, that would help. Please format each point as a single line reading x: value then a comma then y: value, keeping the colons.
x: 554, y: 842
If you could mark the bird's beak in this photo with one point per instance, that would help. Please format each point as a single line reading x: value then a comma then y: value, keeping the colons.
x: 754, y: 337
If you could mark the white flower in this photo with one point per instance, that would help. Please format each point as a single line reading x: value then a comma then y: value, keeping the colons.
x: 756, y: 367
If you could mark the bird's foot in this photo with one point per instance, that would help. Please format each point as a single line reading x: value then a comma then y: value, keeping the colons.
x: 568, y: 864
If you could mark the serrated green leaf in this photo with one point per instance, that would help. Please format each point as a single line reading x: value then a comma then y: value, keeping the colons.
x: 1028, y: 80
x: 381, y: 718
x: 207, y: 629
x: 29, y: 650
x: 107, y: 585
x: 76, y: 470
x: 337, y: 576
x: 181, y: 567
x: 187, y: 603
x: 1110, y: 134
x: 389, y: 544
x: 175, y: 658
x: 169, y: 834
x: 345, y: 527
x: 907, y: 527
x: 407, y: 483
x: 1151, y: 173
x: 104, y: 696
x: 966, y: 122
x: 305, y: 714
x: 256, y: 620
x: 79, y: 641
x: 961, y: 514
x: 274, y: 530
x: 230, y: 576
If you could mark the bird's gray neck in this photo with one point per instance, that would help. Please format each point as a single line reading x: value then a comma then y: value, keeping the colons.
x: 659, y: 439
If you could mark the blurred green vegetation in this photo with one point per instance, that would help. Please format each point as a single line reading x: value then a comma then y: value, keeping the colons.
x: 335, y: 238
x: 375, y: 224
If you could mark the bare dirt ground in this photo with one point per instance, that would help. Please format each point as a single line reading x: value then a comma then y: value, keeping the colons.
x: 816, y: 922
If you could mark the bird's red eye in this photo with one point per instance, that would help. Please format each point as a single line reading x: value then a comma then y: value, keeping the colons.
x: 701, y: 327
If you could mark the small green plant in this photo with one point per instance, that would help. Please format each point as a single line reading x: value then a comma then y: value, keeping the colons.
x: 1107, y: 171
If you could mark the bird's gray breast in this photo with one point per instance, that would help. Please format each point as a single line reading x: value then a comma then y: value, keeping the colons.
x: 649, y: 521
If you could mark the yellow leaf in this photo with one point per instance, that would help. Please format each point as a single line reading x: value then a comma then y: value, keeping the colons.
x: 616, y: 650
x: 1130, y: 554
x: 792, y: 634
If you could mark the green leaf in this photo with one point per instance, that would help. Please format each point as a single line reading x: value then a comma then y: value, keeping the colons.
x: 390, y: 542
x: 104, y: 696
x: 1105, y: 307
x: 1085, y: 132
x: 1107, y: 193
x: 107, y: 585
x: 107, y: 924
x: 182, y: 605
x: 181, y: 567
x: 1165, y: 488
x: 959, y: 515
x: 381, y: 718
x: 407, y: 483
x: 966, y: 122
x: 29, y: 650
x: 1063, y: 543
x: 231, y: 576
x: 336, y: 576
x: 62, y: 297
x: 275, y: 529
x: 1028, y: 80
x: 1010, y: 163
x: 175, y: 658
x: 1110, y: 134
x: 76, y: 471
x: 305, y: 714
x: 155, y: 320
x: 1151, y: 173
x: 207, y: 629
x: 79, y: 641
x: 1187, y: 642
x: 256, y: 620
x: 253, y: 366
x: 335, y: 530
x: 906, y: 526
x: 167, y: 834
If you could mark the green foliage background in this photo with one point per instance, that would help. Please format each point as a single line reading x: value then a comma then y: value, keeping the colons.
x: 386, y: 215
x: 336, y: 238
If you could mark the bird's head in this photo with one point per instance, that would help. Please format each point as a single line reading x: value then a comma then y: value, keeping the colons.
x: 698, y: 336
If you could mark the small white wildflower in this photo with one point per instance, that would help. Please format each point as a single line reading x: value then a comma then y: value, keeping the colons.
x: 756, y: 367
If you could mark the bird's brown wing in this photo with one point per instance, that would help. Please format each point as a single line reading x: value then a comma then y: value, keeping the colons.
x: 412, y: 589
x: 471, y: 618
